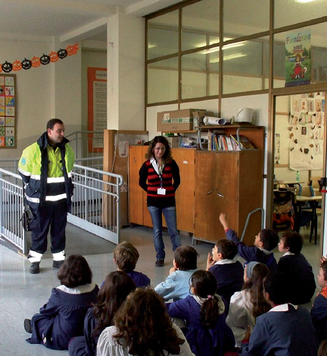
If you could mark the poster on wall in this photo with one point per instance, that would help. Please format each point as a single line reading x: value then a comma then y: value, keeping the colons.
x: 97, y: 104
x: 8, y: 115
x: 306, y: 127
x: 298, y: 58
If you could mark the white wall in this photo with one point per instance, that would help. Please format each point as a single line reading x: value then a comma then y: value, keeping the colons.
x: 43, y: 92
x: 125, y: 65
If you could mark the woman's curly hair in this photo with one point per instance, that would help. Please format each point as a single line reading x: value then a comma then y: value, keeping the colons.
x: 167, y: 157
x: 144, y: 326
x: 117, y: 286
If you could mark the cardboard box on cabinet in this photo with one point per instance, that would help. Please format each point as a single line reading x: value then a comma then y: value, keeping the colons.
x: 178, y: 120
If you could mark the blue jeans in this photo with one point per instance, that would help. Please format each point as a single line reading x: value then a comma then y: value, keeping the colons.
x: 170, y: 217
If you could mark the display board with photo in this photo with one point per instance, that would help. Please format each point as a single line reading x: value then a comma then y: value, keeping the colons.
x: 306, y: 127
x: 8, y: 115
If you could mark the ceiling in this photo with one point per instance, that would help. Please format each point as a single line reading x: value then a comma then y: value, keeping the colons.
x: 61, y: 20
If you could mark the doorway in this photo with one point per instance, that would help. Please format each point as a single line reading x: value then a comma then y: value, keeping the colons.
x: 299, y: 160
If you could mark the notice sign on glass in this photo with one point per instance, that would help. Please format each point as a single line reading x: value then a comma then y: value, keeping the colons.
x: 298, y: 58
x: 7, y: 111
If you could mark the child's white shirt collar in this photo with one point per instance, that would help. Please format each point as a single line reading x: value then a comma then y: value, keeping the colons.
x: 225, y: 262
x: 282, y: 307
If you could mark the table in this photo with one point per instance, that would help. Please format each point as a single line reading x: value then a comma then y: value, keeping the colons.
x: 313, y: 201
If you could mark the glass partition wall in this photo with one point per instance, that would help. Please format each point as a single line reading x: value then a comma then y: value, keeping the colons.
x: 216, y: 48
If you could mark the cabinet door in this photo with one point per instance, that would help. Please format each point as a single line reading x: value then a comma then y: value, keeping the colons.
x: 226, y: 190
x: 204, y: 200
x: 185, y: 193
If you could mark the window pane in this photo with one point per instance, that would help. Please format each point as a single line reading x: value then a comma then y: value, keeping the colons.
x: 243, y: 66
x: 289, y: 12
x: 199, y: 21
x: 244, y: 17
x: 163, y: 81
x: 200, y: 74
x: 163, y: 35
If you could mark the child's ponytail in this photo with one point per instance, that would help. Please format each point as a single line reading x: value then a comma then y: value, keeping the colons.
x: 205, y: 285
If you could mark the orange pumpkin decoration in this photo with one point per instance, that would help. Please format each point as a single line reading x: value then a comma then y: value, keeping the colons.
x: 16, y: 66
x: 0, y: 67
x: 35, y: 61
x: 70, y: 50
x: 53, y: 56
x: 76, y: 48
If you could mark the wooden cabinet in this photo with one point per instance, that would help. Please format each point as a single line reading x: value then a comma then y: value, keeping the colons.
x: 138, y: 211
x: 230, y: 183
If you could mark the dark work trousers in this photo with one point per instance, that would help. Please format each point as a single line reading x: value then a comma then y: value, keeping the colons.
x: 51, y: 215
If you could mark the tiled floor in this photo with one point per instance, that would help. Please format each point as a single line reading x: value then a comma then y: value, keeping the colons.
x: 22, y: 294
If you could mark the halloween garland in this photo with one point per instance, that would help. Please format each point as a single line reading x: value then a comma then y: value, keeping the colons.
x: 45, y: 59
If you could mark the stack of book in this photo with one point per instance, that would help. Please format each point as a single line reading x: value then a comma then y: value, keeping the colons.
x: 220, y: 142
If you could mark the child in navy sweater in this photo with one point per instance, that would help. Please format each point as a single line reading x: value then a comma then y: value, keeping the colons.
x: 296, y: 267
x: 319, y: 308
x: 227, y: 271
x: 264, y: 243
x: 286, y: 329
x: 125, y: 258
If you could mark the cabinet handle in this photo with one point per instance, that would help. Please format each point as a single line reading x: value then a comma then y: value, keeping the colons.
x: 219, y: 194
x: 209, y: 192
x: 134, y: 159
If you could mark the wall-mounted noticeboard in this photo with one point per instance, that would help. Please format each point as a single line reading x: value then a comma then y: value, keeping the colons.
x: 8, y: 113
x: 97, y: 103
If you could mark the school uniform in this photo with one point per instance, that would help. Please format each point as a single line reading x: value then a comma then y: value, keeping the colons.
x: 229, y: 276
x: 203, y: 341
x: 253, y: 253
x: 286, y: 330
x: 62, y: 317
x: 85, y: 345
x: 319, y: 314
x: 176, y: 286
x: 140, y: 279
x: 300, y: 275
x: 240, y: 315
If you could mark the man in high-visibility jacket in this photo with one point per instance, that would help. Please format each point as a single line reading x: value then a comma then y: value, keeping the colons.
x: 46, y: 168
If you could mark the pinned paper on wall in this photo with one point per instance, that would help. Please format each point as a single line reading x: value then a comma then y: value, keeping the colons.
x: 306, y: 127
x: 8, y: 116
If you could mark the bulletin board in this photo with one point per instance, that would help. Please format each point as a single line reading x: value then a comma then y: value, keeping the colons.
x: 97, y: 103
x: 306, y: 126
x: 8, y: 113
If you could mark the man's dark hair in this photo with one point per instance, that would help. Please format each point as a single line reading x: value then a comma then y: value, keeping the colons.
x: 227, y: 248
x: 52, y: 122
x: 186, y: 258
x: 294, y: 241
x: 278, y: 287
x: 269, y: 238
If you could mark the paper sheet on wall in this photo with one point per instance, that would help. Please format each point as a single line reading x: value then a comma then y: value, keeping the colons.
x: 99, y: 106
x: 306, y: 126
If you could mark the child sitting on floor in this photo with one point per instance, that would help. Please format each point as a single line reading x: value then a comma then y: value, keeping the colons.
x: 142, y: 327
x: 117, y: 286
x: 227, y: 271
x: 296, y: 267
x: 125, y: 258
x: 319, y: 308
x: 204, y: 313
x: 176, y: 286
x: 286, y: 329
x: 246, y: 305
x: 62, y: 317
x: 264, y: 243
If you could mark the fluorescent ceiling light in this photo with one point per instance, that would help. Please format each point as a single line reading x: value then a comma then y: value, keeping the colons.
x: 303, y: 1
x: 151, y: 45
x: 229, y: 57
x: 216, y: 49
